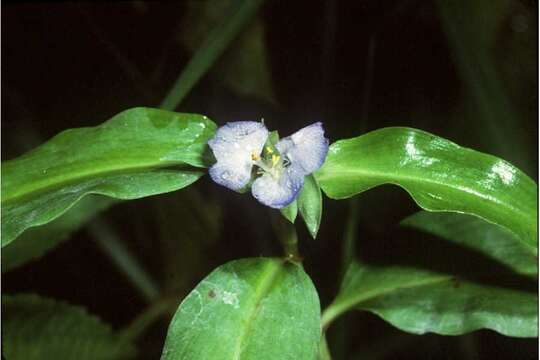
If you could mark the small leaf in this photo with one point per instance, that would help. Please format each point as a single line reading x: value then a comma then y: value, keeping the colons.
x: 492, y: 240
x: 248, y: 309
x: 310, y: 204
x: 35, y: 242
x: 290, y: 211
x: 38, y: 328
x: 438, y: 174
x: 139, y: 152
x: 419, y: 301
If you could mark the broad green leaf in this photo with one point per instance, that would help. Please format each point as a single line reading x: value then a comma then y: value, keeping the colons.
x: 290, y: 211
x: 248, y: 309
x: 310, y: 204
x: 419, y: 301
x: 438, y: 174
x: 38, y: 328
x: 492, y: 240
x: 35, y: 242
x: 137, y: 153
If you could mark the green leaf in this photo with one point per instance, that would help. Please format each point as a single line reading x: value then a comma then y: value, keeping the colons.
x: 419, y: 301
x: 492, y: 240
x: 248, y: 309
x: 290, y: 211
x: 438, y: 174
x: 35, y: 242
x: 137, y: 153
x: 38, y: 328
x: 310, y: 204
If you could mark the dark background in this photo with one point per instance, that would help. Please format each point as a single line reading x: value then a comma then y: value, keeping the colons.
x: 466, y: 71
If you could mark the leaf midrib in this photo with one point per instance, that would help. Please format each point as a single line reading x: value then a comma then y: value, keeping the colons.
x: 59, y: 180
x: 266, y: 280
x: 339, y: 307
x: 374, y: 174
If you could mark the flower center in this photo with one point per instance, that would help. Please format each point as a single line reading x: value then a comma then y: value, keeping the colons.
x: 272, y: 163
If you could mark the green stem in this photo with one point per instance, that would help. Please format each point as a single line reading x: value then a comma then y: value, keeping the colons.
x: 349, y: 242
x: 324, y: 351
x: 330, y: 314
x: 155, y: 311
x: 286, y: 233
x: 216, y: 43
x: 111, y: 245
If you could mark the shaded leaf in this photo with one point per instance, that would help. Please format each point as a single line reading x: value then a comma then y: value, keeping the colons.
x: 244, y: 66
x: 213, y: 46
x: 35, y: 242
x: 137, y: 153
x: 470, y: 231
x: 438, y: 174
x: 34, y: 327
x: 487, y: 108
x: 419, y: 301
x: 248, y: 309
x: 310, y: 204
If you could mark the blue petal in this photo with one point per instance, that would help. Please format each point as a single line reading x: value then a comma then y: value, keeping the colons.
x: 306, y: 148
x: 278, y: 193
x: 233, y: 146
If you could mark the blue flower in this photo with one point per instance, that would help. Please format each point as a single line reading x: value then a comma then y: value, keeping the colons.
x: 238, y: 146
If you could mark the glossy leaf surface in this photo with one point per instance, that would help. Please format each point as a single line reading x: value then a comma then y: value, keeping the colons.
x: 492, y: 240
x: 36, y: 241
x: 38, y: 328
x: 419, y: 301
x: 137, y: 153
x: 248, y: 309
x: 439, y: 174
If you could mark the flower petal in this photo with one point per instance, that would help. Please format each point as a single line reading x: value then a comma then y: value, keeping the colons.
x: 238, y: 139
x: 278, y: 193
x: 306, y: 148
x: 233, y: 146
x: 231, y: 175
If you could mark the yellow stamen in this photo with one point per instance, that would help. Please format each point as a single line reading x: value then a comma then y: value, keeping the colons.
x: 255, y: 157
x: 269, y: 150
x: 275, y: 159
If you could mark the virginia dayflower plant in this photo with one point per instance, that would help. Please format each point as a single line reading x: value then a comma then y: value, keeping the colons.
x: 243, y: 146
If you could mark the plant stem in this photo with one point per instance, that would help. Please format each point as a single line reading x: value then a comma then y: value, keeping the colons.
x: 111, y: 245
x: 286, y: 233
x: 349, y: 241
x: 330, y: 314
x: 324, y: 352
x: 215, y: 44
x: 147, y: 318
